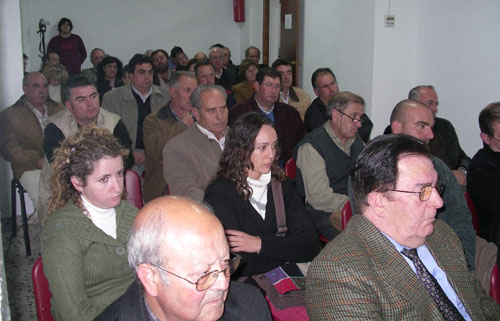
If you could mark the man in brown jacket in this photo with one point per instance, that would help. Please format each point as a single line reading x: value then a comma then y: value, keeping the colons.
x: 21, y: 132
x: 171, y: 120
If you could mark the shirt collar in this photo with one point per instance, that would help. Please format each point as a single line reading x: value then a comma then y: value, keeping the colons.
x: 263, y: 108
x: 210, y: 135
x: 140, y: 95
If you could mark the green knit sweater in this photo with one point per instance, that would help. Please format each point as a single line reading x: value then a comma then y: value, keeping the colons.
x: 87, y: 269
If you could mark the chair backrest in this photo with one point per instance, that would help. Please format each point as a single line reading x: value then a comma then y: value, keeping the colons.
x: 346, y: 214
x: 472, y: 208
x: 495, y: 284
x: 290, y: 168
x: 133, y: 188
x: 41, y: 292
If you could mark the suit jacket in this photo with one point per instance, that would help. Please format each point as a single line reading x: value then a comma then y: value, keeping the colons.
x: 121, y: 101
x: 444, y: 132
x: 158, y: 129
x: 190, y: 161
x: 361, y: 276
x: 21, y: 136
x: 287, y: 121
x: 244, y: 303
x: 300, y: 100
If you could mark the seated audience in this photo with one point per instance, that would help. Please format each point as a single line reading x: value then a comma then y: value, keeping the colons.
x: 245, y: 89
x: 445, y: 144
x: 325, y: 87
x: 245, y: 197
x: 171, y: 120
x: 21, y: 132
x: 48, y: 59
x: 253, y: 53
x: 265, y: 101
x: 109, y: 75
x: 223, y: 77
x: 228, y: 63
x: 205, y: 74
x: 395, y: 261
x: 56, y: 76
x: 184, y: 273
x: 190, y: 159
x: 324, y: 160
x: 289, y: 94
x: 84, y: 239
x: 413, y: 118
x: 96, y: 56
x: 483, y: 176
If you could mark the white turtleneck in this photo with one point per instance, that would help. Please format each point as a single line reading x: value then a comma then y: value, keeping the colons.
x: 104, y: 219
x: 259, y: 195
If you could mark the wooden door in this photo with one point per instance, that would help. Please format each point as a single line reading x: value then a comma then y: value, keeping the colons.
x: 289, y: 35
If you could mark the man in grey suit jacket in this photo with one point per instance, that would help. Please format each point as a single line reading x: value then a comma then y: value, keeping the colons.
x: 364, y: 275
x: 190, y: 159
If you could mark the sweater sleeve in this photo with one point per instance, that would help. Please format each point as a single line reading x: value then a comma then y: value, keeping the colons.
x: 120, y: 132
x: 52, y: 139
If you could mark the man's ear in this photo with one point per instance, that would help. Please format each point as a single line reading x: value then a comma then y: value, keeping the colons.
x: 256, y: 86
x: 25, y: 89
x: 150, y: 278
x: 376, y: 203
x: 485, y: 138
x: 77, y: 183
x: 396, y: 127
x: 196, y: 113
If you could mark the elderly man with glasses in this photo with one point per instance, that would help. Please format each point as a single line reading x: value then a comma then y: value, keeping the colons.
x: 414, y: 118
x: 324, y: 159
x: 180, y: 254
x: 396, y: 261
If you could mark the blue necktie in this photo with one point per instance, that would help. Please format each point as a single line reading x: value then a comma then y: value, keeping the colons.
x: 447, y: 309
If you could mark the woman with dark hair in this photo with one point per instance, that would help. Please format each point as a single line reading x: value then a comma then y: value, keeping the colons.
x: 69, y: 47
x: 244, y: 199
x: 244, y: 90
x: 109, y: 75
x: 84, y: 239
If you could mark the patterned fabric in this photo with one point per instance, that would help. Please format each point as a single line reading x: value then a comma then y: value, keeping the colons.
x: 447, y: 309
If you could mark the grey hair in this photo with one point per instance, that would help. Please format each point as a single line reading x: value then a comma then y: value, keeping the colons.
x: 415, y: 91
x: 341, y: 100
x: 196, y: 95
x: 175, y: 79
x: 145, y: 244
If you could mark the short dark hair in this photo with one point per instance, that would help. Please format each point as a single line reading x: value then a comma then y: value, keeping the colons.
x: 201, y: 63
x: 139, y: 59
x: 317, y: 73
x: 280, y: 62
x: 415, y: 91
x: 488, y: 116
x: 106, y: 61
x: 341, y: 100
x: 218, y: 45
x: 175, y: 51
x: 376, y: 169
x: 267, y: 72
x: 154, y: 52
x: 244, y: 66
x: 247, y: 51
x: 62, y: 21
x: 74, y: 82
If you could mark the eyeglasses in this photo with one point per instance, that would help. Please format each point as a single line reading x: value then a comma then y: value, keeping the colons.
x: 271, y: 86
x: 208, y: 279
x: 426, y: 191
x: 355, y: 120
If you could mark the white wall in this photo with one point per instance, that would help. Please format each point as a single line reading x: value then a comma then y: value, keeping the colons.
x: 125, y: 27
x: 339, y: 34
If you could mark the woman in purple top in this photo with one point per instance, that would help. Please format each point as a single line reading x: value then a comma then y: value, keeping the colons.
x: 69, y: 47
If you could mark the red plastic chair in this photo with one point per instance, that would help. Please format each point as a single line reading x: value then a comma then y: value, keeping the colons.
x: 495, y: 284
x: 41, y: 292
x: 346, y: 214
x: 472, y: 208
x: 133, y: 188
x: 290, y: 168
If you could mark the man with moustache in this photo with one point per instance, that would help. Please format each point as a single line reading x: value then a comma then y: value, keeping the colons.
x: 171, y: 120
x: 184, y: 274
x: 161, y: 68
x: 324, y: 159
x: 286, y: 118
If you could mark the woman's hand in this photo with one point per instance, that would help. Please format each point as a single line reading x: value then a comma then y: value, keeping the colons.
x: 243, y: 242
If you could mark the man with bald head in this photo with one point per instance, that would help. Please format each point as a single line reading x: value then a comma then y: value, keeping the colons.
x: 180, y: 254
x: 21, y: 131
x: 445, y: 144
x: 414, y: 118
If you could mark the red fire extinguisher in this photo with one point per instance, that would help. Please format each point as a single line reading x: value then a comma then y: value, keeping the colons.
x: 239, y: 10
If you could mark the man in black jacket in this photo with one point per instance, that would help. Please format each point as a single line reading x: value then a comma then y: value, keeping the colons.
x: 445, y: 144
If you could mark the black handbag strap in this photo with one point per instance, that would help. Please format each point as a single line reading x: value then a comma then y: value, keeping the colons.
x: 279, y: 207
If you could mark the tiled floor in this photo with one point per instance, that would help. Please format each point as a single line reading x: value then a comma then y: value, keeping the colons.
x: 18, y: 271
